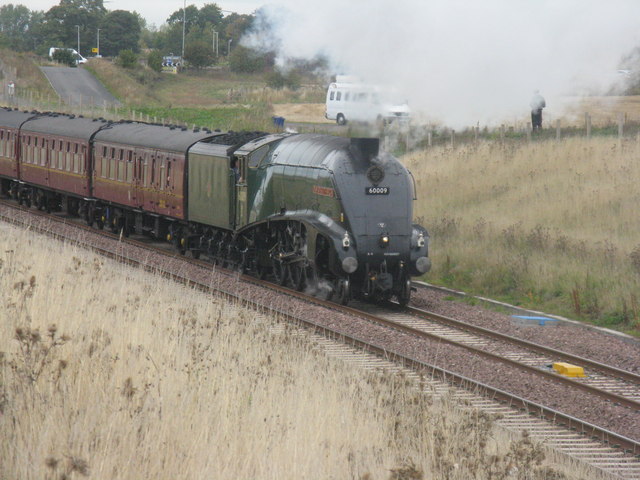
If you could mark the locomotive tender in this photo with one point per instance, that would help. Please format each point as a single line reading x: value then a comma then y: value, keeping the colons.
x: 311, y: 211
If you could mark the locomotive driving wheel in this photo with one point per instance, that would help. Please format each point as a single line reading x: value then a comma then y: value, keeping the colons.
x: 297, y: 276
x: 404, y: 295
x: 343, y: 291
x: 280, y: 271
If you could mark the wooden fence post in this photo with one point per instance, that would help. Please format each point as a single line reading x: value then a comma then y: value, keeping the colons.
x: 620, y: 127
x: 587, y: 121
x: 558, y: 129
x: 430, y: 138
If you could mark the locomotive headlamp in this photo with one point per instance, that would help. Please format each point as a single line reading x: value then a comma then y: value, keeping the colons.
x: 346, y: 240
x: 384, y: 241
x: 420, y: 242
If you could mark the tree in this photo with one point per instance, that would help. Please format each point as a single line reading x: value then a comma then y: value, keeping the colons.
x: 199, y: 54
x: 178, y: 17
x: 15, y: 21
x: 209, y: 15
x: 119, y: 30
x: 70, y: 19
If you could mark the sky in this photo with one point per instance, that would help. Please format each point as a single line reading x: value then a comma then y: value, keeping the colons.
x: 153, y: 11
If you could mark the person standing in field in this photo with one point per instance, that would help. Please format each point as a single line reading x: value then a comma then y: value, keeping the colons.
x: 537, y: 104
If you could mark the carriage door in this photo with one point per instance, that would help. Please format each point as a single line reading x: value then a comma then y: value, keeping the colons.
x: 241, y: 192
x: 139, y: 176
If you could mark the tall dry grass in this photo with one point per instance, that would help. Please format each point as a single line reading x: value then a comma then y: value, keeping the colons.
x: 108, y: 372
x: 549, y: 224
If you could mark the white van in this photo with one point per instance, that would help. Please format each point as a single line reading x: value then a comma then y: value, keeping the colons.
x: 79, y: 58
x: 360, y: 102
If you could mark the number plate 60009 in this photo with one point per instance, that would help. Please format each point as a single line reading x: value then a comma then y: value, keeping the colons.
x: 376, y: 190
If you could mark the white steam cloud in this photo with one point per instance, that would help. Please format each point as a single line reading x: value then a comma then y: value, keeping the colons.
x: 460, y: 61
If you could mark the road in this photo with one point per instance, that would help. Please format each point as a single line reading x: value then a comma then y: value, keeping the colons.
x: 77, y: 87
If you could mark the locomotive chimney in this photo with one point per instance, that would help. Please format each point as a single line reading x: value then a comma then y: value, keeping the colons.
x: 367, y: 148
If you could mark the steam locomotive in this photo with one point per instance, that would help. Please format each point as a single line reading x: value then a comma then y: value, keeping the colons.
x: 310, y: 211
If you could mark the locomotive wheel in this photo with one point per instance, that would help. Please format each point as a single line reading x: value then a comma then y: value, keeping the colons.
x: 280, y: 272
x: 297, y: 276
x: 343, y: 293
x: 405, y: 293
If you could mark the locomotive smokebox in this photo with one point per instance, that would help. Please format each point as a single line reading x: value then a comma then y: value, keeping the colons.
x: 367, y: 148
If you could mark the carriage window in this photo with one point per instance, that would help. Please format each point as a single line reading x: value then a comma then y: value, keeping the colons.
x: 43, y: 154
x: 68, y: 160
x: 121, y: 154
x: 104, y: 172
x: 60, y: 160
x: 112, y: 168
x: 120, y: 171
x: 168, y: 173
x: 163, y: 178
x: 153, y: 170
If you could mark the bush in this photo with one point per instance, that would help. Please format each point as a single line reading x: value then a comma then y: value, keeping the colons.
x: 245, y: 60
x: 65, y: 57
x: 279, y: 80
x: 154, y: 60
x: 127, y: 59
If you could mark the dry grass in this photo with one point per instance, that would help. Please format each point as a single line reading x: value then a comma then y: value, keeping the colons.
x: 108, y: 372
x: 603, y: 110
x: 537, y: 223
x: 30, y: 81
x: 302, y: 112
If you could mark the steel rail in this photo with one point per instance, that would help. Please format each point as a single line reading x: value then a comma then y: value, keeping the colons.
x: 585, y: 362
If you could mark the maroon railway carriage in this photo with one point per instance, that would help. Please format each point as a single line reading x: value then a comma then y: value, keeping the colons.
x: 139, y: 174
x: 55, y: 159
x: 10, y: 122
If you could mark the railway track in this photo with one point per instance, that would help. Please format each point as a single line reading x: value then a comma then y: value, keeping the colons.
x: 612, y: 384
x: 590, y: 444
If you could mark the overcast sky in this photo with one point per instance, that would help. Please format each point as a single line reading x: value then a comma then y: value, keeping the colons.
x: 154, y: 11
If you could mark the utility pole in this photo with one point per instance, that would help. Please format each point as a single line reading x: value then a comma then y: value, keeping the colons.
x: 78, y: 27
x: 184, y: 23
x: 215, y: 42
x: 98, y: 53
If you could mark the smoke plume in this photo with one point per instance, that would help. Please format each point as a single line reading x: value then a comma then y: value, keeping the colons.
x: 461, y: 62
